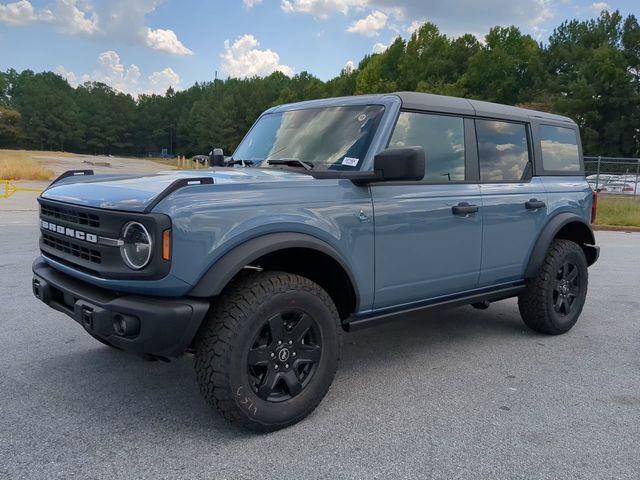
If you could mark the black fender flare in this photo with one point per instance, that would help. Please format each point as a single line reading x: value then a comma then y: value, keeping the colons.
x: 231, y: 263
x: 550, y: 231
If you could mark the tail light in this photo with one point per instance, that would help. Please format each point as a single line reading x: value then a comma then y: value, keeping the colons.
x: 594, y: 207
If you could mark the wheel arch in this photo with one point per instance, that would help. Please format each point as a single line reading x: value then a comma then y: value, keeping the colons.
x: 291, y: 252
x: 567, y: 226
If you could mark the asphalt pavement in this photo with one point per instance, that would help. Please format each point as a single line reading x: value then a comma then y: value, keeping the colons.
x: 463, y: 394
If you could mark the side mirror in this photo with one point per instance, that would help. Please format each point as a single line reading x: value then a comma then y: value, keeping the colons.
x: 400, y: 164
x: 216, y: 159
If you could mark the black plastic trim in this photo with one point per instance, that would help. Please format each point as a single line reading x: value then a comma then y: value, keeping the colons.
x: 167, y: 326
x: 224, y: 269
x: 358, y: 322
x: 356, y: 177
x: 70, y: 173
x: 176, y: 185
x: 547, y: 235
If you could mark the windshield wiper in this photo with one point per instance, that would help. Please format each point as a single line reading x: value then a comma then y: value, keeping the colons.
x: 239, y: 162
x: 291, y: 162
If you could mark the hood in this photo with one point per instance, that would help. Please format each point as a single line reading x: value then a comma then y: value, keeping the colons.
x: 134, y: 192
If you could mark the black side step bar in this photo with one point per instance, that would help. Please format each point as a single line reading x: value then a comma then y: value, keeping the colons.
x: 176, y: 185
x: 357, y: 322
x: 70, y: 173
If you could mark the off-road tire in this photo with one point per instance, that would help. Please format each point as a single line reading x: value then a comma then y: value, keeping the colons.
x: 536, y: 304
x: 223, y: 343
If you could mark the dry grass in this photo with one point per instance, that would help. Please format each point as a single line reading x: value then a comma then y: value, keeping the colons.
x: 186, y: 164
x: 21, y: 165
x: 618, y: 211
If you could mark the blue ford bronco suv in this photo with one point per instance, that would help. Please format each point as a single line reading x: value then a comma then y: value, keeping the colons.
x: 331, y: 215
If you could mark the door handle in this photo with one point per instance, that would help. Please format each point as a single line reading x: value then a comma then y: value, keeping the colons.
x: 463, y: 208
x: 534, y: 204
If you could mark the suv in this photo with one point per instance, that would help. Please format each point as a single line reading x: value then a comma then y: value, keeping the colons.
x: 332, y: 215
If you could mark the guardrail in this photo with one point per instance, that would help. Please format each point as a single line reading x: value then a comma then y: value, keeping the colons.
x: 10, y: 188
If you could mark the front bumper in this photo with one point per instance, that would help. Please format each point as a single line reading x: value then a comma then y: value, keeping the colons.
x: 147, y: 325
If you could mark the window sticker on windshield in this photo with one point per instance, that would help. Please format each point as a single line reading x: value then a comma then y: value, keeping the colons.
x: 362, y: 117
x: 350, y: 161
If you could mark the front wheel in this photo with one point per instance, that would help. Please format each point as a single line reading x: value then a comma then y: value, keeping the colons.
x: 553, y: 300
x: 269, y: 350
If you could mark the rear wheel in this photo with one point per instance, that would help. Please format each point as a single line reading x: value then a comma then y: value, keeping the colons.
x: 269, y: 350
x: 553, y: 300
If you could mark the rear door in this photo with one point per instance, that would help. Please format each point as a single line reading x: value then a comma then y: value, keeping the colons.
x: 423, y: 248
x: 514, y: 202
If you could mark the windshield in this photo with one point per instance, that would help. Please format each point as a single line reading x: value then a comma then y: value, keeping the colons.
x: 335, y: 138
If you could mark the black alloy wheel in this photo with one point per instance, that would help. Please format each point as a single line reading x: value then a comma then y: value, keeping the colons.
x: 566, y: 289
x: 284, y: 355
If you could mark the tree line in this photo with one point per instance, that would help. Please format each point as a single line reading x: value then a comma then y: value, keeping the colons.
x: 588, y: 70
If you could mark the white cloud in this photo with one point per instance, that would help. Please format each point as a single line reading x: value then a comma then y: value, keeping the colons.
x: 251, y: 3
x: 349, y: 66
x: 114, y: 73
x: 22, y: 13
x: 369, y: 25
x: 379, y: 48
x: 244, y: 59
x: 69, y: 18
x: 321, y: 8
x: 414, y: 26
x: 166, y: 41
x: 159, y: 82
x: 599, y: 6
x: 65, y: 15
x: 453, y: 17
x: 121, y: 21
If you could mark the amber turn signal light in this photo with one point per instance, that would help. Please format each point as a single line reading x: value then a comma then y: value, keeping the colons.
x: 166, y: 245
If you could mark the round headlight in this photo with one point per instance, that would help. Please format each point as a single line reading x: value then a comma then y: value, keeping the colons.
x: 137, y: 246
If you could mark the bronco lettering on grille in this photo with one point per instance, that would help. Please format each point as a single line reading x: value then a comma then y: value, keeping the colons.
x: 69, y: 232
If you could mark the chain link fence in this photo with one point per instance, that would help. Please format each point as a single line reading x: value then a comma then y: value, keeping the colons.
x: 613, y: 175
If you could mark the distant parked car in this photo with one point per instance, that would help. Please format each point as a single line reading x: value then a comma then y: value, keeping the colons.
x: 603, y: 179
x: 620, y: 188
x: 201, y: 159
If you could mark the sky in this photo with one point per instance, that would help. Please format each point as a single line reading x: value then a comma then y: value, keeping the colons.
x: 145, y: 46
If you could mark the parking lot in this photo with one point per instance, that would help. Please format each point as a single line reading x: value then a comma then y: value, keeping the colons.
x: 459, y: 394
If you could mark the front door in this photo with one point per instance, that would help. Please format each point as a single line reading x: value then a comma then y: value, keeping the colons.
x: 428, y: 235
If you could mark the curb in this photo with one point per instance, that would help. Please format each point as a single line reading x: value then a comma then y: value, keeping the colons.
x: 615, y: 228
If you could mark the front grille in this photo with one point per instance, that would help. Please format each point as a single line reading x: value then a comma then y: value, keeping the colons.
x: 74, y: 235
x: 72, y: 248
x: 70, y: 215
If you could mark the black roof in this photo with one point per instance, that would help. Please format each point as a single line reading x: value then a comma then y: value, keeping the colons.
x: 463, y: 106
x: 436, y: 103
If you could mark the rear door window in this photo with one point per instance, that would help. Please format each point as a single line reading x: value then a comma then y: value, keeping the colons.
x: 503, y: 151
x: 559, y: 149
x: 441, y: 136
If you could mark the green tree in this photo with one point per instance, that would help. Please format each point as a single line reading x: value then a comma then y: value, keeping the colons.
x: 507, y: 69
x: 11, y: 134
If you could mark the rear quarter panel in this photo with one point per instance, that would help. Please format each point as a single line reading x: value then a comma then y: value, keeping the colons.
x: 568, y: 194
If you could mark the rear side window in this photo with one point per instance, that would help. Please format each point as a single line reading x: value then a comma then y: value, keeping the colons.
x: 559, y: 149
x: 442, y: 138
x: 503, y: 151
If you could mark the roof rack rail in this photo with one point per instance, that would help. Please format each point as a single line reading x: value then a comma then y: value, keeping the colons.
x: 176, y: 185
